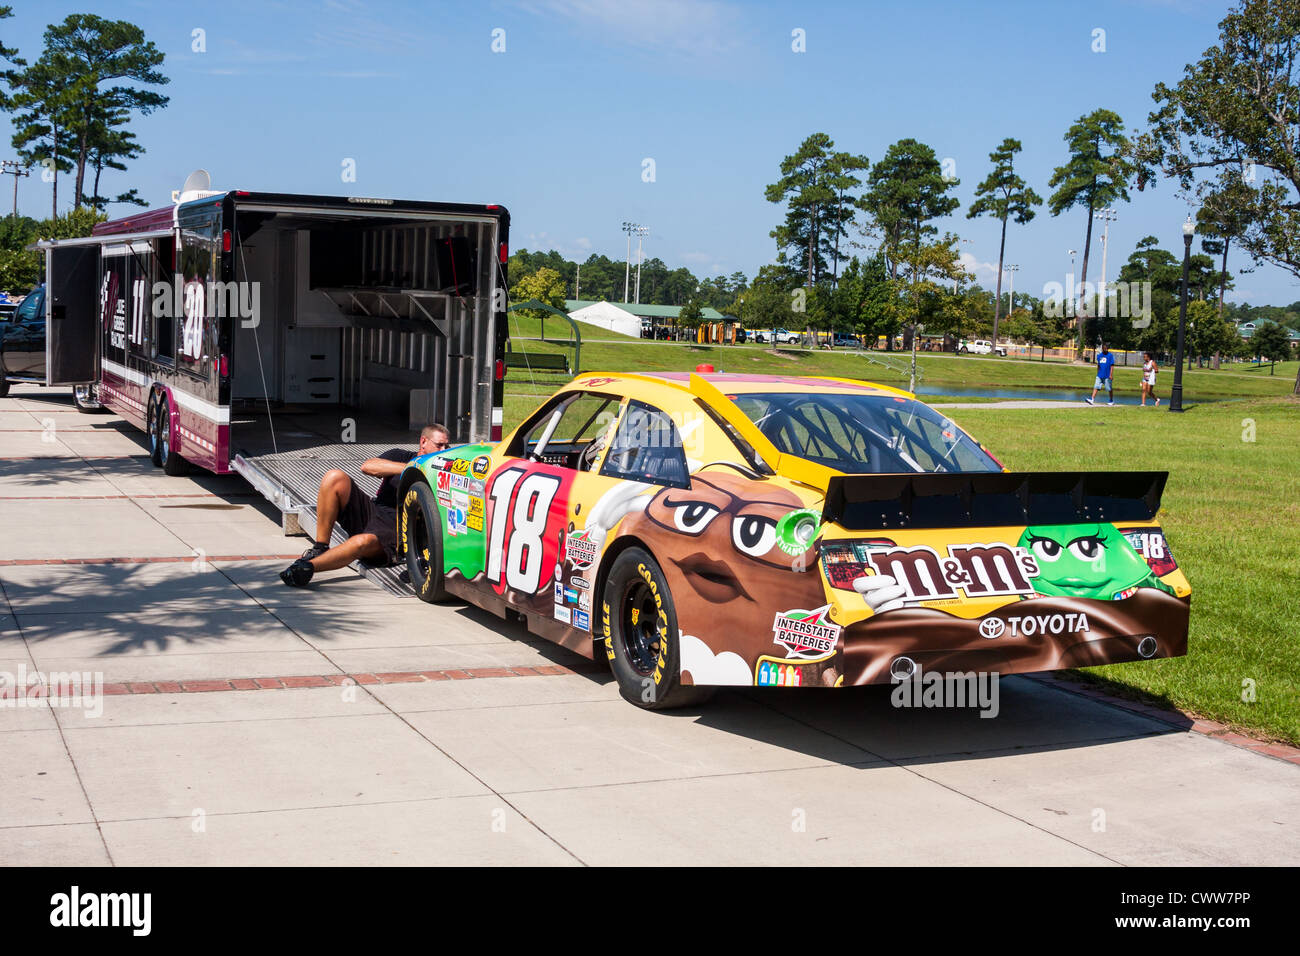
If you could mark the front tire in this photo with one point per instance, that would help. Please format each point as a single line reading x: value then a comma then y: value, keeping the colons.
x: 641, y: 635
x: 419, y: 533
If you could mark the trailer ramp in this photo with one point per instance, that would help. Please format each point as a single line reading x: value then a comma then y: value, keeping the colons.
x: 290, y: 480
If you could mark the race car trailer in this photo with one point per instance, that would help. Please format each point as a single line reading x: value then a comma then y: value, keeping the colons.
x: 277, y: 335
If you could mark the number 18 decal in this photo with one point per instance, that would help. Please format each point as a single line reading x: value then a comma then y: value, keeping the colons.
x: 521, y: 504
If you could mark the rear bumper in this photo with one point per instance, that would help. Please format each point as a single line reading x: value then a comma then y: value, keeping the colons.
x: 1041, y: 634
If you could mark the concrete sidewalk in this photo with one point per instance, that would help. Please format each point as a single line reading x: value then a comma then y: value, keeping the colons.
x: 248, y: 723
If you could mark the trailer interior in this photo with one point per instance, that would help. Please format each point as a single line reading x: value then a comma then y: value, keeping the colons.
x: 370, y: 325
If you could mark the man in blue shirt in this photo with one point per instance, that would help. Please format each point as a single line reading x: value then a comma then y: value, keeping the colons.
x: 1105, y: 361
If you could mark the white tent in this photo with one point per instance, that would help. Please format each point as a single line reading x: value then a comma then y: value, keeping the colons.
x: 608, y: 316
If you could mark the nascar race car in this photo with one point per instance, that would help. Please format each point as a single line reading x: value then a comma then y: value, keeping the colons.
x: 707, y: 530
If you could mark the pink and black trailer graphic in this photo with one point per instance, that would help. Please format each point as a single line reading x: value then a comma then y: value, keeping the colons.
x: 236, y: 328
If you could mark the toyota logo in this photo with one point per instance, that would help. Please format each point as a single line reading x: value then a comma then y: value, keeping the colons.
x: 992, y: 627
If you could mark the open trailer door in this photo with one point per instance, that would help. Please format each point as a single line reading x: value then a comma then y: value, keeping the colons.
x: 71, y: 330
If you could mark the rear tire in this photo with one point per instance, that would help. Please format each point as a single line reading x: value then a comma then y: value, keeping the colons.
x: 419, y: 535
x: 641, y: 636
x: 171, y: 461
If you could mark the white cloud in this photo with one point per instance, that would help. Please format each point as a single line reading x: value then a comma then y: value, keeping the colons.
x: 983, y: 271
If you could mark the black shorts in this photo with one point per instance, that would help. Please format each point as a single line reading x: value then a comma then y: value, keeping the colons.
x: 363, y: 515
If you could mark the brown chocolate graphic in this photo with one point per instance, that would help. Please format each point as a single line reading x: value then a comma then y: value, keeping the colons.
x: 717, y: 547
x: 1003, y: 642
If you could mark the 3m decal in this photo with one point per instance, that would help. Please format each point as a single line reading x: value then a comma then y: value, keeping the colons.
x: 805, y: 633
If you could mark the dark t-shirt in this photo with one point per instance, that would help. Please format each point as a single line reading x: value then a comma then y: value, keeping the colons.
x: 387, y: 494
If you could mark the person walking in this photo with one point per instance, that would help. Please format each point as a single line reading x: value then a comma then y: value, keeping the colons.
x: 1149, y: 379
x: 1105, y: 363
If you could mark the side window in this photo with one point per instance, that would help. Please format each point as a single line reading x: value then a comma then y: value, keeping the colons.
x: 647, y: 447
x: 164, y: 323
x: 568, y: 432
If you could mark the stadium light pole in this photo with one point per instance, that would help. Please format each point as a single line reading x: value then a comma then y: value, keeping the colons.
x: 641, y: 232
x: 627, y: 271
x: 1176, y: 393
x: 1107, y: 216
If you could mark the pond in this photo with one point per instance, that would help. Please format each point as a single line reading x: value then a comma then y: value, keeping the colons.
x: 1122, y: 396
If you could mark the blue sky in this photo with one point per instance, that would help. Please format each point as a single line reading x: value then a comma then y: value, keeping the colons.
x: 558, y: 125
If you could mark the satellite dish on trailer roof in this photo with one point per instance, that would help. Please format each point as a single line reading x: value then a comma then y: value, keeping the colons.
x: 197, y: 181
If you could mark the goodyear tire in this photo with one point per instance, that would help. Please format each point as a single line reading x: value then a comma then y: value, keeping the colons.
x: 639, y: 623
x: 419, y: 535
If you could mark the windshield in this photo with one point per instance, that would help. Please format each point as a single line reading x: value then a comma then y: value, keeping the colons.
x: 864, y: 434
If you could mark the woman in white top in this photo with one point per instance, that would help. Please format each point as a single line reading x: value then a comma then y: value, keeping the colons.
x: 1149, y: 379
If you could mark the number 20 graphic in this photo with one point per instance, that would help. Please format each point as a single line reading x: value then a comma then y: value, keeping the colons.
x: 523, y: 523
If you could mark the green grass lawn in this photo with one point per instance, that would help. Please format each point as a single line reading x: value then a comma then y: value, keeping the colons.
x: 1231, y: 513
x: 607, y: 351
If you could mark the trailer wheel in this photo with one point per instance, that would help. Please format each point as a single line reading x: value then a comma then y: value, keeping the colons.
x: 419, y: 534
x: 641, y: 637
x: 172, y: 463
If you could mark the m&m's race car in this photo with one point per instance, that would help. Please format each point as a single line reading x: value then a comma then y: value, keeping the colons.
x: 706, y: 530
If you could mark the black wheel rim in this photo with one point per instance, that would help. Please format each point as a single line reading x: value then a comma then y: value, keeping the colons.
x: 640, y: 631
x: 419, y: 542
x: 153, y: 432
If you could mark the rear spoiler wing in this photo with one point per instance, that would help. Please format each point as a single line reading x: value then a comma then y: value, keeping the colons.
x: 878, y: 502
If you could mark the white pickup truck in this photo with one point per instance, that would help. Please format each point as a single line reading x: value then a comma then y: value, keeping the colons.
x: 982, y: 347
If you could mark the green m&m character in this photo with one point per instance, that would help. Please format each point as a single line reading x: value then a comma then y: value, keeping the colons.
x: 1087, y: 561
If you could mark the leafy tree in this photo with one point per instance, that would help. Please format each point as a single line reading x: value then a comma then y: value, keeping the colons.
x: 1270, y: 341
x: 21, y: 269
x: 41, y: 107
x: 805, y: 188
x: 1097, y: 172
x: 906, y: 192
x: 85, y: 53
x: 691, y: 315
x: 841, y: 177
x: 1230, y: 129
x: 1004, y: 195
x: 768, y: 303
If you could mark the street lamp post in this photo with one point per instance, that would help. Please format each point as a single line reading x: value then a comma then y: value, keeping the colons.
x: 1011, y: 297
x: 1176, y: 393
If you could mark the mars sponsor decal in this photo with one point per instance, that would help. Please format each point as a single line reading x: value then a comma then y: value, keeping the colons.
x: 979, y: 570
x: 805, y: 633
x: 580, y: 550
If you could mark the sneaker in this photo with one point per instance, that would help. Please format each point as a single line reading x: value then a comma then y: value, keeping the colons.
x: 315, y: 551
x: 1157, y: 401
x: 1110, y: 403
x: 1089, y: 401
x: 298, y: 574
